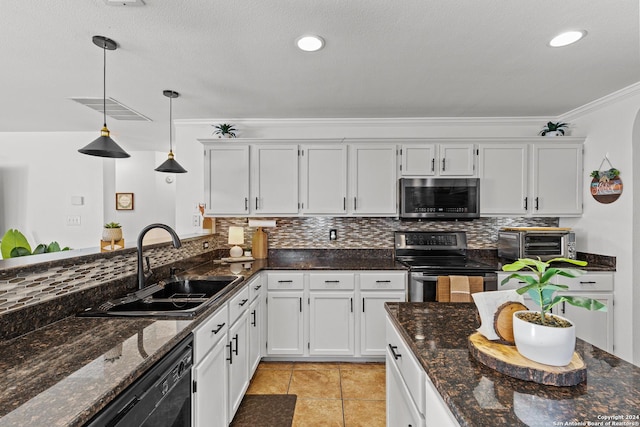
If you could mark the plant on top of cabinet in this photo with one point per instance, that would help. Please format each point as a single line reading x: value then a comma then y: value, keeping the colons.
x: 554, y: 129
x: 225, y: 130
x: 540, y: 336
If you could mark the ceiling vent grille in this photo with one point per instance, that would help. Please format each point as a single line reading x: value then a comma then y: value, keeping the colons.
x: 115, y: 109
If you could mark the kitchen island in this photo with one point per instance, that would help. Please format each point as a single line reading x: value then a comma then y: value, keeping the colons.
x: 437, y: 335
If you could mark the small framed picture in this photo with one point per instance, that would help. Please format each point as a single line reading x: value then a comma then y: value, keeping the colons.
x: 124, y: 201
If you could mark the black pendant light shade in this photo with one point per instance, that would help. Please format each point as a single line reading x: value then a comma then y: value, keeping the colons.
x: 170, y: 165
x: 104, y: 146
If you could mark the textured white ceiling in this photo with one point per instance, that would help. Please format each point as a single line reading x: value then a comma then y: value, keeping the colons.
x: 237, y: 59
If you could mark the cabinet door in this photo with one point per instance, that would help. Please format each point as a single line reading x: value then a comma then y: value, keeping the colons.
x: 285, y: 328
x: 210, y: 399
x: 503, y: 179
x: 255, y: 335
x: 457, y: 159
x: 227, y: 179
x: 557, y: 180
x: 595, y: 327
x: 331, y: 323
x: 323, y: 179
x: 274, y: 184
x: 373, y: 180
x: 418, y: 160
x: 239, y: 364
x: 401, y: 411
x: 372, y: 321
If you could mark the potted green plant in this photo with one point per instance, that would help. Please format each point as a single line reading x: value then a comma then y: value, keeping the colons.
x: 225, y: 130
x: 539, y: 335
x: 554, y: 129
x: 112, y: 232
x: 14, y: 244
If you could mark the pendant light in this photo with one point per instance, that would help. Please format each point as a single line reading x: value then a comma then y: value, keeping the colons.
x: 104, y: 146
x: 170, y: 165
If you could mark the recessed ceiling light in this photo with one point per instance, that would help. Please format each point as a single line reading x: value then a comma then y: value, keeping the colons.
x: 567, y: 38
x: 310, y: 43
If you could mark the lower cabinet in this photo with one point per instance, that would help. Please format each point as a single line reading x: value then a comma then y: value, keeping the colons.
x: 255, y: 333
x: 210, y: 390
x: 285, y: 327
x: 238, y: 340
x: 401, y: 411
x: 331, y: 325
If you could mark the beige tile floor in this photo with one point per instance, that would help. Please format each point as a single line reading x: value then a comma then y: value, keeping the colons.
x: 329, y: 394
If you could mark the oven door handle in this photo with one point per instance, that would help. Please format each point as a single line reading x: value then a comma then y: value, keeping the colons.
x: 420, y: 278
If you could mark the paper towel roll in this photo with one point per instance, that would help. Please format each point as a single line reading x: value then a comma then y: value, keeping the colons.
x: 262, y: 223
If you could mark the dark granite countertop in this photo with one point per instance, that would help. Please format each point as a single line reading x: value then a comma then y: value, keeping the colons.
x: 64, y: 373
x: 480, y: 396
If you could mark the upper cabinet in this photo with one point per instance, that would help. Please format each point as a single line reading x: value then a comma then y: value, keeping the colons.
x: 533, y: 176
x: 427, y: 159
x: 323, y: 179
x: 227, y: 179
x: 373, y: 182
x: 274, y: 181
x: 539, y: 179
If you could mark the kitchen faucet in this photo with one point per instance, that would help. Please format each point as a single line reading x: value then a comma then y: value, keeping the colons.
x: 142, y: 278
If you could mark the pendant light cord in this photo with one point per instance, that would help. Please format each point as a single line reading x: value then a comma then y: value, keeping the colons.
x: 171, y: 124
x: 104, y: 82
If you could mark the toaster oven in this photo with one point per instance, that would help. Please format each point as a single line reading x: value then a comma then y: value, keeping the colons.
x: 543, y: 244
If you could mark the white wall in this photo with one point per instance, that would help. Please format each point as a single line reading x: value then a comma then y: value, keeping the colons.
x: 608, y: 228
x: 39, y: 173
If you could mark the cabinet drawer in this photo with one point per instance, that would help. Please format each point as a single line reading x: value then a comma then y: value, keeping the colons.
x: 411, y: 371
x: 343, y: 281
x: 372, y: 281
x: 209, y: 333
x: 238, y: 305
x: 255, y: 287
x: 589, y: 282
x: 285, y: 281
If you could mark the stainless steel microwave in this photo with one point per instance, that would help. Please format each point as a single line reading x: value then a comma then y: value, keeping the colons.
x: 545, y: 244
x: 439, y: 198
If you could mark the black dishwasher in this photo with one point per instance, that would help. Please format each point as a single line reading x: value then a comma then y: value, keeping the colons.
x: 160, y: 398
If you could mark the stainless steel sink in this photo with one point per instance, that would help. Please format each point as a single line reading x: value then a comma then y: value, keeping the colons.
x: 177, y: 297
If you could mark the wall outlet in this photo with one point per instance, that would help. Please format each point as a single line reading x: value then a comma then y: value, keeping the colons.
x: 333, y: 234
x: 205, y: 245
x: 196, y: 220
x: 74, y: 220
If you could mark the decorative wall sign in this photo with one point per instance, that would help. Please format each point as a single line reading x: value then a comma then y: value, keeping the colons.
x: 606, y: 185
x: 124, y: 201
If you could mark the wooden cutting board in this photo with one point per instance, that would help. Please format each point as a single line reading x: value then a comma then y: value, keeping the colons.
x: 506, y: 360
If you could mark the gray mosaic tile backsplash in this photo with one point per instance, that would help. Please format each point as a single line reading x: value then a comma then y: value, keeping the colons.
x: 40, y: 284
x: 371, y: 233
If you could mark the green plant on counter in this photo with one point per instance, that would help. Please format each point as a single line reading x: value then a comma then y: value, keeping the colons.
x: 540, y: 288
x: 554, y: 127
x: 112, y: 225
x: 14, y: 245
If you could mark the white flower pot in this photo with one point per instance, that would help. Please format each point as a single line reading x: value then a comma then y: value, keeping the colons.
x: 109, y: 234
x: 544, y: 344
x: 553, y: 133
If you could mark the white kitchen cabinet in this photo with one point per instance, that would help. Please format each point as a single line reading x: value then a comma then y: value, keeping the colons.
x: 238, y: 339
x: 274, y: 181
x: 557, y: 175
x: 210, y: 397
x: 437, y: 413
x: 257, y: 320
x: 418, y: 159
x: 331, y: 325
x: 373, y: 185
x: 504, y: 179
x: 323, y: 179
x: 429, y: 159
x: 285, y: 319
x: 595, y: 327
x: 401, y: 411
x: 227, y: 179
x: 457, y: 159
x: 210, y: 375
x: 376, y: 288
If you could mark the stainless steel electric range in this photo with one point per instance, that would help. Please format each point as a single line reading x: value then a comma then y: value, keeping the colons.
x: 430, y: 254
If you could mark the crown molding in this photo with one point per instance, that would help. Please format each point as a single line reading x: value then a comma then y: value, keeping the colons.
x: 600, y: 103
x: 369, y: 122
